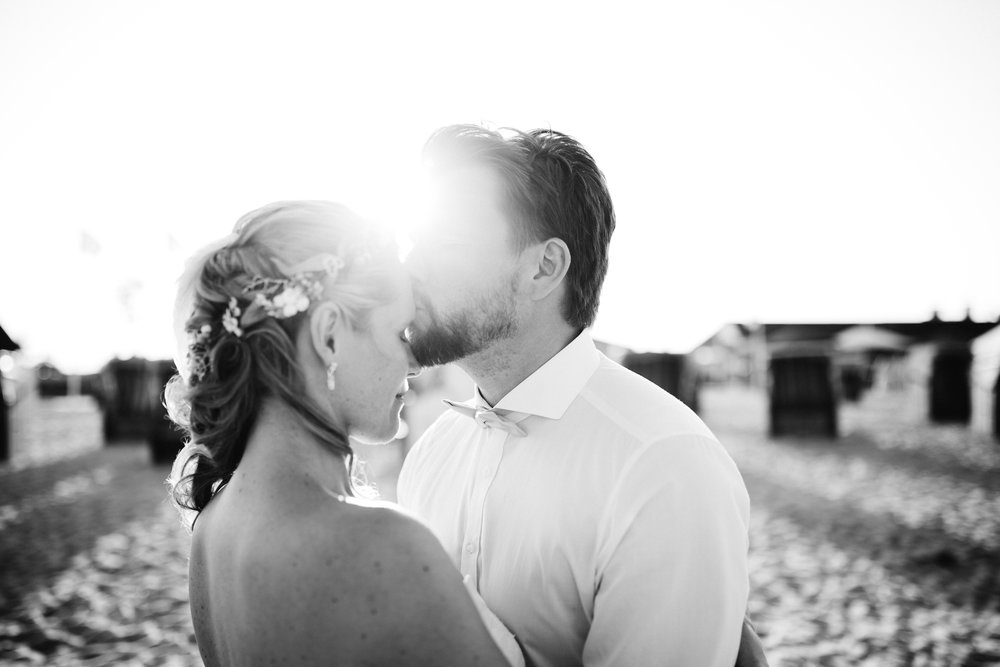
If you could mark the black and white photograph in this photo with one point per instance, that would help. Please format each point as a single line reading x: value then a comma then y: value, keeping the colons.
x: 528, y: 334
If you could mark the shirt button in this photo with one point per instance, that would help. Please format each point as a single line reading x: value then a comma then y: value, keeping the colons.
x: 470, y: 548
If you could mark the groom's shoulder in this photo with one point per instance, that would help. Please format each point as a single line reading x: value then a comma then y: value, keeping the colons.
x: 636, y: 405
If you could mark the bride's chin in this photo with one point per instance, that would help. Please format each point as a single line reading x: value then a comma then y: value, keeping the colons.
x: 381, y: 437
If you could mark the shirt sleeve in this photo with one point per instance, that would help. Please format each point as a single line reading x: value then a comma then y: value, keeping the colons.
x: 671, y: 565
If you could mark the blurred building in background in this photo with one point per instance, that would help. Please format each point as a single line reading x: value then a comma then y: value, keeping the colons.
x: 127, y: 395
x: 952, y: 368
x: 949, y: 366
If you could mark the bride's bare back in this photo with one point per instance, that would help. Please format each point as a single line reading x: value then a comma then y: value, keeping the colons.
x: 316, y: 580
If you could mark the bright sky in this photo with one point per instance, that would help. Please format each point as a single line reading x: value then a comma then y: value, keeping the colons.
x: 774, y: 160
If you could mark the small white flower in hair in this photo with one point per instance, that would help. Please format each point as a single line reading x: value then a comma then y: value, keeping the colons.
x: 290, y: 301
x: 199, y: 337
x: 332, y: 264
x: 231, y: 318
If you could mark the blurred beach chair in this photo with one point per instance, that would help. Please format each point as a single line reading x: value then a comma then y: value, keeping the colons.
x: 132, y: 403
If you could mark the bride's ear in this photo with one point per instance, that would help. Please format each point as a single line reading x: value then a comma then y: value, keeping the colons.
x: 325, y: 324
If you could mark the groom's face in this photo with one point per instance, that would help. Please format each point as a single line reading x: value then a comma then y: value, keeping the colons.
x: 463, y: 267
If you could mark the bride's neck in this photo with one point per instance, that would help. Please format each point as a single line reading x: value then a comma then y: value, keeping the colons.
x: 281, y: 449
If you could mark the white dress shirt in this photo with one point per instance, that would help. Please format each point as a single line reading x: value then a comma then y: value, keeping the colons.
x: 596, y: 514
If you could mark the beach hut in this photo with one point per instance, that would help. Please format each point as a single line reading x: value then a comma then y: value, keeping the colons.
x: 985, y: 381
x: 802, y: 400
x: 129, y: 399
x: 942, y: 362
x: 6, y: 345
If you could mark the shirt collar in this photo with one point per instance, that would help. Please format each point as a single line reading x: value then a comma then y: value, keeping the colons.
x: 549, y: 391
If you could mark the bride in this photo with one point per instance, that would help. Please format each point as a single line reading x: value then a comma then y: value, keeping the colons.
x: 292, y: 339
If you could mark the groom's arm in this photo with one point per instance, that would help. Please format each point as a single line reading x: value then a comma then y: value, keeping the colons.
x: 672, y: 560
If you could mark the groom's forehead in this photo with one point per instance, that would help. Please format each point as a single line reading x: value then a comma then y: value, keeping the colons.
x: 469, y: 187
x: 464, y: 199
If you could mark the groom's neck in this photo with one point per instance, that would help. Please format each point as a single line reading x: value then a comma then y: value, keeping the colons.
x: 504, y: 365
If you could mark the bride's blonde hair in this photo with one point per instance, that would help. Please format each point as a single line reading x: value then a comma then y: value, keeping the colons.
x: 223, y: 377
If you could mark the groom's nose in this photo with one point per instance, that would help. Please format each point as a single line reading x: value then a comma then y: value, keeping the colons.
x: 423, y: 246
x: 414, y: 368
x: 414, y: 259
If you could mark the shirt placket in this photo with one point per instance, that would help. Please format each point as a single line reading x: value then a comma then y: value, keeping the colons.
x: 486, y: 469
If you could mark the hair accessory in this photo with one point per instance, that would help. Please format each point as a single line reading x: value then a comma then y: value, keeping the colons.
x: 282, y: 298
x: 231, y: 318
x: 196, y: 352
x: 331, y: 383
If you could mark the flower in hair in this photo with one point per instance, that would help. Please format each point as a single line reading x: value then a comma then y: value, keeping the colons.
x: 282, y: 298
x: 231, y: 318
x: 332, y: 264
x: 197, y: 351
x: 288, y: 302
x: 200, y: 336
x: 197, y: 364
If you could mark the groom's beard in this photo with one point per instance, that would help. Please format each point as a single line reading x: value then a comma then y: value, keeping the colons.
x: 444, y: 339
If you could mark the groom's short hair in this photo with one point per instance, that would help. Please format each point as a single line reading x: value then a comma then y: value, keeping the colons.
x: 553, y: 189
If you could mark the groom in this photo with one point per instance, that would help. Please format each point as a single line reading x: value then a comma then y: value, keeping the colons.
x: 598, y: 517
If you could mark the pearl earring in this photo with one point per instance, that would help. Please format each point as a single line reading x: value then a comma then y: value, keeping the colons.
x: 330, y: 381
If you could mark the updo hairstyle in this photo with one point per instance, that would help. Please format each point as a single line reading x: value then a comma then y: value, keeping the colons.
x: 223, y: 378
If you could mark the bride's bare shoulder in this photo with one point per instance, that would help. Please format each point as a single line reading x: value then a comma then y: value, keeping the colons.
x: 360, y: 581
x: 369, y: 580
x: 376, y: 530
x: 347, y: 539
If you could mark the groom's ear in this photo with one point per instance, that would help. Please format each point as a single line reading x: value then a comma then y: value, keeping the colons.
x: 550, y: 263
x: 325, y: 322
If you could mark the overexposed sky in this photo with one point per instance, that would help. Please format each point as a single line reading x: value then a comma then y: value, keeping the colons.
x: 773, y: 161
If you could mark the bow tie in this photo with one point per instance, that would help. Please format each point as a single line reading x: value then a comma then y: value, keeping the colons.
x: 487, y: 418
